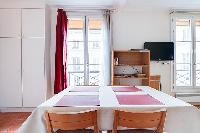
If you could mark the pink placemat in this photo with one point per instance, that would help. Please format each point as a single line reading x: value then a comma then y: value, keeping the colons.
x: 126, y: 89
x: 85, y: 89
x: 78, y: 100
x: 137, y: 100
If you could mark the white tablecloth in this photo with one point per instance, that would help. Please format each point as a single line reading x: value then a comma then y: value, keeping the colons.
x: 181, y: 117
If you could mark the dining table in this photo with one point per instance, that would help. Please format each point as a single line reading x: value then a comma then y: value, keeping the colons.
x: 181, y: 117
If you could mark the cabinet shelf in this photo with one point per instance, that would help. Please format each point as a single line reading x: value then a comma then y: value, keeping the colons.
x: 132, y: 65
x: 126, y: 59
x: 123, y: 77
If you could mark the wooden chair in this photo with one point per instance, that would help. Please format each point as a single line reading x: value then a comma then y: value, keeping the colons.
x: 71, y: 123
x: 140, y: 121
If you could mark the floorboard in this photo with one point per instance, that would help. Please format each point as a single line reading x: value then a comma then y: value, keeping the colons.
x: 11, y: 121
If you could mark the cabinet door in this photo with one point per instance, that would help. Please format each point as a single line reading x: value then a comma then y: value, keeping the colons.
x: 33, y: 21
x: 34, y: 92
x: 10, y: 23
x: 10, y: 72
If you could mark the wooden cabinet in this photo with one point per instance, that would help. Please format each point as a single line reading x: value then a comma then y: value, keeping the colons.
x: 155, y: 82
x: 131, y: 67
x: 22, y: 48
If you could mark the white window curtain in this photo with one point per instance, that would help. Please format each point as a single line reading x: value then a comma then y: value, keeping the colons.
x: 106, y: 50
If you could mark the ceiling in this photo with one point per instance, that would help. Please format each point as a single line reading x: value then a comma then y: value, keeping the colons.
x: 130, y: 4
x: 83, y: 2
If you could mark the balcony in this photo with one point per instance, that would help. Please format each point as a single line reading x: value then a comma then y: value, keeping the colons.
x: 77, y: 78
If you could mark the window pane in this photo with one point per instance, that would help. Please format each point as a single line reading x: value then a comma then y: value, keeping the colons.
x: 76, y: 78
x: 75, y: 29
x: 94, y: 78
x: 75, y: 52
x: 183, y: 52
x: 183, y: 74
x: 198, y: 30
x: 185, y: 67
x: 183, y: 78
x: 75, y: 35
x: 197, y: 52
x: 95, y: 40
x: 75, y: 23
x: 198, y: 74
x: 183, y: 30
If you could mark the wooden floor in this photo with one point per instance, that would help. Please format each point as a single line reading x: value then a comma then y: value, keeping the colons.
x: 10, y: 122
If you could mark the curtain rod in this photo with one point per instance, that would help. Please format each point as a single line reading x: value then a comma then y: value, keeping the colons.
x: 185, y: 11
x: 87, y: 8
x: 92, y: 11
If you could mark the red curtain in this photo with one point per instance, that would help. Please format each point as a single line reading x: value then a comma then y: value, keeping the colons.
x: 60, y: 82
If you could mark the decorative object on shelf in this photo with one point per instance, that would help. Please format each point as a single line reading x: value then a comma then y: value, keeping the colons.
x: 116, y: 61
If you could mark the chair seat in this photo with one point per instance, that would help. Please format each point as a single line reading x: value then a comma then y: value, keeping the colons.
x: 76, y: 131
x: 134, y: 131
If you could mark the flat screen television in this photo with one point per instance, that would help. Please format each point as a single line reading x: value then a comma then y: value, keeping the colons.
x: 160, y: 51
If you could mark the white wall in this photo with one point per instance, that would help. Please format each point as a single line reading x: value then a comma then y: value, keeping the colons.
x: 47, y: 51
x: 53, y: 44
x: 131, y: 28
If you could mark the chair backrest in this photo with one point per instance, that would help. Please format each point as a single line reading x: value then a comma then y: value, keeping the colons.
x: 71, y: 121
x: 139, y: 120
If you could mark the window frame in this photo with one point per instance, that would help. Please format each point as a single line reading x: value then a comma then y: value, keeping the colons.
x: 193, y: 18
x: 86, y: 16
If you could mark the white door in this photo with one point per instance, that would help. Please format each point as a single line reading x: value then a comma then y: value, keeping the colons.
x: 33, y: 47
x: 33, y: 72
x: 10, y: 72
x: 10, y: 23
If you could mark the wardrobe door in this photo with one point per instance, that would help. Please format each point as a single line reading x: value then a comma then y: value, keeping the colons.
x: 33, y: 48
x: 10, y: 72
x: 33, y: 71
x: 33, y: 21
x: 10, y: 23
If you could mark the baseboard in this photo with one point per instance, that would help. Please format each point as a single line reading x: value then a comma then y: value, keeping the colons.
x: 16, y: 109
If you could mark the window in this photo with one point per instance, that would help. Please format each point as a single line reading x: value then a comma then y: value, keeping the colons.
x: 85, y: 38
x: 186, y: 35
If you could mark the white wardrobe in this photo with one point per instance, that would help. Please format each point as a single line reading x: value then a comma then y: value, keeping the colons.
x: 22, y: 46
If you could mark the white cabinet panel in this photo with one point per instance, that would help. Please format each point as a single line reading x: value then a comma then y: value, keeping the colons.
x: 10, y: 72
x: 10, y: 22
x: 33, y: 71
x: 33, y: 23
